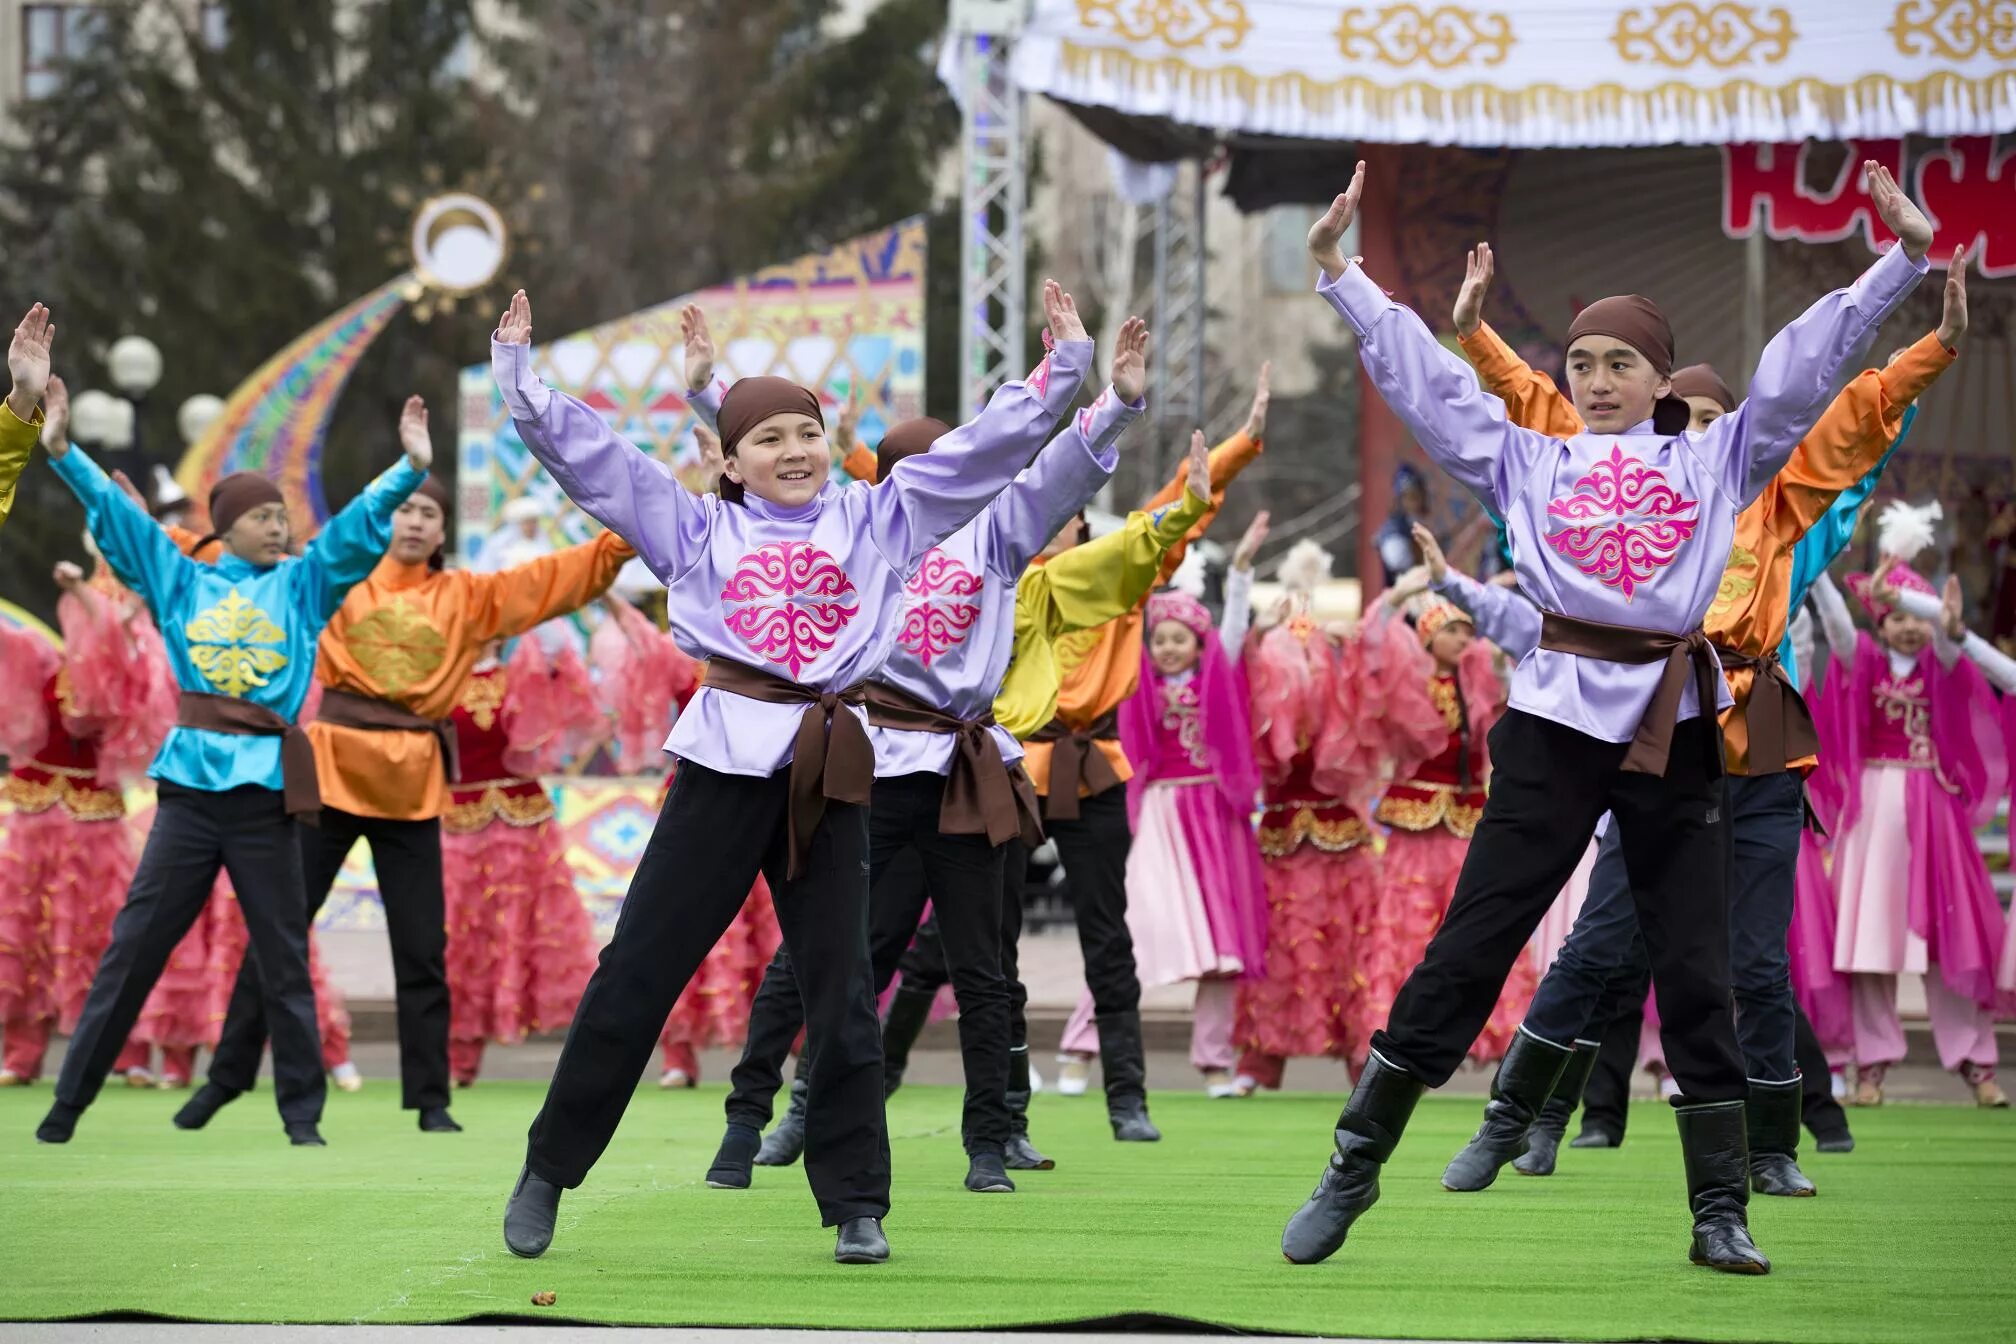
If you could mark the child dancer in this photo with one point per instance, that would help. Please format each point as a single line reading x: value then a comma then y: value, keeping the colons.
x: 1915, y: 753
x: 1566, y: 755
x: 234, y: 772
x: 1311, y: 703
x: 1196, y: 899
x: 520, y: 944
x: 787, y: 584
x: 74, y: 726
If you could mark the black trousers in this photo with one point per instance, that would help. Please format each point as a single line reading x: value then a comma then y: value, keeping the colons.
x: 1094, y: 848
x: 962, y: 877
x: 247, y: 832
x: 1549, y: 787
x: 407, y: 857
x: 923, y: 963
x: 715, y: 833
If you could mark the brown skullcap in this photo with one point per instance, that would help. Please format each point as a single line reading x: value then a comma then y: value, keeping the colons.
x: 907, y: 439
x: 753, y: 400
x: 1701, y: 380
x: 433, y: 488
x: 1632, y: 319
x: 237, y: 495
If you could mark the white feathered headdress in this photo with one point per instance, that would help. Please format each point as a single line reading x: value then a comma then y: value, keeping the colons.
x: 1906, y: 532
x: 1305, y: 566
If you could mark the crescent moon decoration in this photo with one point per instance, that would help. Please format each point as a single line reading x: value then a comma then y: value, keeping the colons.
x: 20, y: 619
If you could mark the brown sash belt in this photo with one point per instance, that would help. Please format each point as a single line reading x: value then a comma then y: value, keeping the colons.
x: 1653, y: 744
x: 347, y: 709
x: 983, y: 796
x: 831, y: 758
x: 1076, y: 760
x: 228, y: 714
x: 1781, y: 726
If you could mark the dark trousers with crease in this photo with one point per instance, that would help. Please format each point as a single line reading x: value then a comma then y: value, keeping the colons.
x: 962, y: 878
x: 1550, y: 786
x: 247, y: 832
x: 407, y: 858
x: 715, y: 832
x: 1093, y: 848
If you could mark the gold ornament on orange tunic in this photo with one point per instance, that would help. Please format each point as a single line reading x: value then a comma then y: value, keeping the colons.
x: 1739, y: 579
x: 396, y: 646
x: 1442, y: 38
x: 1179, y: 23
x: 229, y: 645
x: 1721, y: 35
x: 1955, y: 29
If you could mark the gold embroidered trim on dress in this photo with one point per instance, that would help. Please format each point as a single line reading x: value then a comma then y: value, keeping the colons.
x: 1440, y: 808
x: 1332, y: 837
x: 482, y: 697
x: 527, y: 809
x: 83, y: 801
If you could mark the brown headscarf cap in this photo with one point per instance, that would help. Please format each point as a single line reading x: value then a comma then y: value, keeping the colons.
x: 753, y: 400
x: 1632, y: 319
x: 237, y: 495
x: 437, y: 490
x: 1701, y: 380
x: 907, y: 439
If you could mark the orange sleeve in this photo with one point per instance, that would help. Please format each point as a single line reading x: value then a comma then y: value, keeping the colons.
x: 187, y: 543
x: 859, y: 463
x: 512, y: 601
x: 1531, y: 399
x: 1228, y: 459
x: 1850, y: 438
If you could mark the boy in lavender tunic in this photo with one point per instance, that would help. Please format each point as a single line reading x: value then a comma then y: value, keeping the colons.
x: 788, y: 586
x: 1619, y: 535
x: 948, y: 782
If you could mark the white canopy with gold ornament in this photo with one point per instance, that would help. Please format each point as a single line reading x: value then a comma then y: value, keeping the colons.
x: 1558, y: 74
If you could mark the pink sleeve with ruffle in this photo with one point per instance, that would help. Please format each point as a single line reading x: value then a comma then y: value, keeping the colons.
x: 551, y: 715
x: 643, y: 679
x: 121, y: 685
x: 1406, y: 727
x: 1282, y: 689
x: 26, y: 664
x: 1346, y: 761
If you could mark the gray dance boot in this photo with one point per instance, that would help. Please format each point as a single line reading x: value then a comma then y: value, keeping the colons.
x: 1126, y: 1072
x: 1543, y: 1139
x: 1022, y: 1155
x: 1717, y: 1154
x: 1367, y: 1133
x: 529, y: 1217
x: 786, y: 1140
x: 1526, y: 1078
x: 909, y: 1012
x: 1773, y: 1122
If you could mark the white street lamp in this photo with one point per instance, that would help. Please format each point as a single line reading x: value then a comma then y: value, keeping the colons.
x: 135, y: 365
x: 197, y: 415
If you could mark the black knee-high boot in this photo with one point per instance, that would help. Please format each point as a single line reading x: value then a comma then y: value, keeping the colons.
x: 1773, y: 1122
x: 1022, y: 1154
x: 1543, y: 1139
x: 909, y: 1011
x: 786, y: 1141
x: 1367, y: 1133
x: 1526, y: 1078
x: 1716, y: 1148
x: 1125, y: 1069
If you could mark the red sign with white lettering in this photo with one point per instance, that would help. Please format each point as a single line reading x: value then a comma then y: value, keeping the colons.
x: 1967, y: 190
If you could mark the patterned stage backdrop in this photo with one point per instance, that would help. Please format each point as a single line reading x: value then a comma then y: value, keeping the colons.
x: 852, y: 317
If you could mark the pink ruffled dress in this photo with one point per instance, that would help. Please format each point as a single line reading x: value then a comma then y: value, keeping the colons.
x: 75, y: 726
x: 520, y: 943
x: 644, y: 680
x: 1433, y: 731
x: 1310, y: 701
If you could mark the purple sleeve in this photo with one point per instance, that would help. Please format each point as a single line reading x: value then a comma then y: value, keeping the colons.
x: 1796, y: 374
x: 706, y: 403
x: 1061, y: 481
x: 1502, y: 615
x: 928, y: 497
x: 1436, y: 394
x: 613, y: 481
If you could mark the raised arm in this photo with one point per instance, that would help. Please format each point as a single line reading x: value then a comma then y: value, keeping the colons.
x: 1824, y: 542
x: 1227, y: 460
x: 136, y: 549
x: 1238, y: 617
x: 354, y: 541
x: 1836, y: 625
x: 1107, y: 577
x: 1997, y: 666
x: 1067, y: 473
x: 512, y: 601
x: 20, y: 417
x: 929, y: 496
x: 1435, y: 394
x: 614, y: 481
x: 1795, y: 376
x: 1530, y: 396
x: 1501, y: 615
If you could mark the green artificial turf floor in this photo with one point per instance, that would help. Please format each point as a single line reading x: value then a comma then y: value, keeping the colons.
x: 1910, y: 1238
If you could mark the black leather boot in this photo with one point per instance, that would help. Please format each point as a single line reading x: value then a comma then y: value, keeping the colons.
x: 1526, y: 1078
x: 209, y: 1099
x: 786, y: 1140
x: 1126, y: 1073
x: 1543, y: 1137
x: 987, y: 1175
x: 1367, y: 1133
x: 1717, y: 1154
x: 1773, y: 1122
x: 529, y: 1217
x: 909, y: 1011
x: 861, y: 1242
x: 60, y: 1124
x: 731, y: 1163
x: 436, y: 1120
x: 1021, y: 1154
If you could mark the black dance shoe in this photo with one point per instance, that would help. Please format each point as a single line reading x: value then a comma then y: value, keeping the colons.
x: 1543, y: 1139
x: 305, y: 1134
x: 1772, y: 1117
x: 1367, y: 1133
x: 1716, y: 1150
x: 529, y: 1217
x: 786, y: 1141
x: 209, y: 1099
x: 1526, y: 1078
x: 731, y: 1162
x: 436, y: 1120
x: 987, y: 1175
x: 861, y: 1242
x: 59, y: 1124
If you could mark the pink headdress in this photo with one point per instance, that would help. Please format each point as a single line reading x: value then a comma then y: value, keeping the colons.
x: 1904, y: 532
x: 1176, y: 605
x: 1221, y: 704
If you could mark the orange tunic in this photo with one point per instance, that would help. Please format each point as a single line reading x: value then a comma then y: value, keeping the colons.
x: 411, y: 635
x: 1102, y: 665
x: 1749, y: 613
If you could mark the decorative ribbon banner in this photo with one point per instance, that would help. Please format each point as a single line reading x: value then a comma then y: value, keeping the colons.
x: 1967, y: 189
x: 1569, y: 74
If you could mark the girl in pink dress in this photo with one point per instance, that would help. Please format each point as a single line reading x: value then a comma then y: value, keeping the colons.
x: 75, y: 726
x: 1912, y: 744
x: 1196, y: 897
x: 1440, y: 696
x: 520, y: 944
x: 645, y: 680
x: 1310, y: 699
